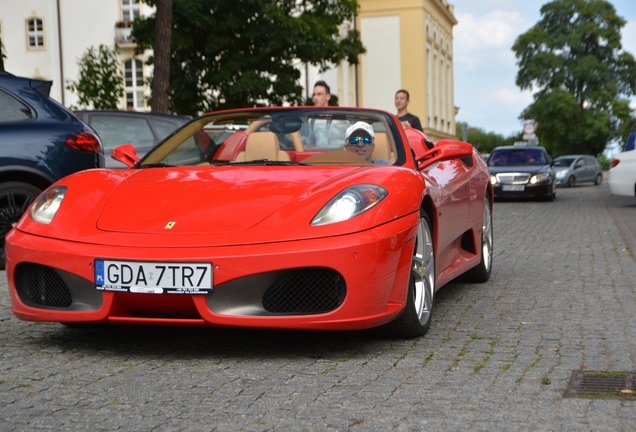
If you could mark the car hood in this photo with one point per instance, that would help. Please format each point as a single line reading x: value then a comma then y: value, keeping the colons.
x: 222, y: 206
x: 210, y: 201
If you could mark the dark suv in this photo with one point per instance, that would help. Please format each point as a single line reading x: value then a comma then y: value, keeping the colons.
x: 40, y: 142
x: 522, y: 171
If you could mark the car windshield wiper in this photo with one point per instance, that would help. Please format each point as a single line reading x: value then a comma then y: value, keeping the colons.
x: 264, y: 162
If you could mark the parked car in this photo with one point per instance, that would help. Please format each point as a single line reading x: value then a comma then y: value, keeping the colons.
x: 522, y: 172
x: 220, y: 226
x: 143, y: 130
x: 622, y: 174
x: 575, y: 169
x: 40, y: 142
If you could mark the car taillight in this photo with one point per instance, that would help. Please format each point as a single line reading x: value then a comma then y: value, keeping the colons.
x: 614, y: 163
x: 85, y: 141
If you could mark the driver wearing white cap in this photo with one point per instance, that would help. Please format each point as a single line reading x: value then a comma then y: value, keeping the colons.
x: 360, y: 139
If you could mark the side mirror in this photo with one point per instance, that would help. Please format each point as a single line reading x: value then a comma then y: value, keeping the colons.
x: 443, y: 151
x: 126, y: 154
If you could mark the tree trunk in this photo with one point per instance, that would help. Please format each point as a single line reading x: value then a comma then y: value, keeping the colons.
x: 161, y: 48
x: 1, y: 55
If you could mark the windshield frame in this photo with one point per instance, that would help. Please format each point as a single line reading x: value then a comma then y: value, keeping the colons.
x: 283, y: 121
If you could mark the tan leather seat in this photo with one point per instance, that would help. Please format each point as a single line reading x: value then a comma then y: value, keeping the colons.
x: 262, y: 145
x: 382, y: 149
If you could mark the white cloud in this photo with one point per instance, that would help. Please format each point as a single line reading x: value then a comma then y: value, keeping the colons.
x: 629, y: 37
x: 487, y: 38
x: 512, y: 97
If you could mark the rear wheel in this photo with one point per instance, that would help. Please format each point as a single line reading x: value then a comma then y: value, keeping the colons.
x: 15, y: 199
x: 598, y: 180
x: 481, y: 273
x: 416, y: 317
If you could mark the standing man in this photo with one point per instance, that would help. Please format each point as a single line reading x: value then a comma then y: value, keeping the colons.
x: 322, y: 94
x: 402, y: 99
x: 319, y: 129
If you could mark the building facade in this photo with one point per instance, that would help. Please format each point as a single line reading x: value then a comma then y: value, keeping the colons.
x: 409, y: 45
x: 46, y: 39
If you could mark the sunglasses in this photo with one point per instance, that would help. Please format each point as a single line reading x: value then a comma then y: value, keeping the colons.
x: 356, y: 140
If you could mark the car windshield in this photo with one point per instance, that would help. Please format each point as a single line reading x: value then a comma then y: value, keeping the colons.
x: 520, y: 156
x: 563, y: 162
x: 281, y: 136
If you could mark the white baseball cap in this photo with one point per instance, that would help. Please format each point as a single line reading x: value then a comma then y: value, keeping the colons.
x: 366, y: 127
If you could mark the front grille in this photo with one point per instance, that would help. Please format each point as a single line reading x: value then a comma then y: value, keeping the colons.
x: 38, y: 286
x: 513, y: 178
x: 305, y: 291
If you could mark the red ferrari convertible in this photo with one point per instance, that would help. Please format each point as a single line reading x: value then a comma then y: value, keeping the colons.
x: 295, y: 218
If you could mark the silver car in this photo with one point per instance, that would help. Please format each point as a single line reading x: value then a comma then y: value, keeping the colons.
x: 574, y: 169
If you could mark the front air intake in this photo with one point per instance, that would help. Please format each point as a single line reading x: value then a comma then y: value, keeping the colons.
x: 41, y: 286
x: 305, y: 291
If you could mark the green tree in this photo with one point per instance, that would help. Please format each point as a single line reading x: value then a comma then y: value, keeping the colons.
x: 237, y: 53
x: 485, y: 141
x: 573, y: 58
x: 101, y: 83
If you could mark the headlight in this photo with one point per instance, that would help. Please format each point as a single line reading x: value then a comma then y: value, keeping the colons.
x: 47, y: 204
x: 560, y: 174
x: 540, y: 178
x: 349, y: 203
x: 493, y: 180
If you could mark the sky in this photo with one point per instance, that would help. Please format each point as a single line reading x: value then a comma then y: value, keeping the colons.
x: 485, y: 66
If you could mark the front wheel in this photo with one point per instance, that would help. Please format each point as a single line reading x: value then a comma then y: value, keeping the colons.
x: 571, y: 181
x: 15, y: 199
x: 416, y: 316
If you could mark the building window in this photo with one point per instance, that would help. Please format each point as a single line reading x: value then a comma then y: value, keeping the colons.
x: 429, y: 85
x: 435, y: 88
x: 449, y: 113
x: 35, y: 33
x: 134, y: 83
x: 129, y: 10
x: 443, y: 85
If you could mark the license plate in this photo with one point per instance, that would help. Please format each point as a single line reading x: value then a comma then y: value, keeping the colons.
x: 513, y: 188
x: 153, y: 277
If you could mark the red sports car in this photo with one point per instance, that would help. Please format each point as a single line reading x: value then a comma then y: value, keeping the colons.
x: 295, y: 218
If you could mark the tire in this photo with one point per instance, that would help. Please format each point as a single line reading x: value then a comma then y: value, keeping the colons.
x: 552, y: 195
x: 571, y: 181
x: 416, y: 316
x: 598, y: 180
x: 481, y: 273
x: 15, y: 199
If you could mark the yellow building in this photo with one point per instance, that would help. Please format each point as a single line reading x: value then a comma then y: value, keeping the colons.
x: 409, y: 45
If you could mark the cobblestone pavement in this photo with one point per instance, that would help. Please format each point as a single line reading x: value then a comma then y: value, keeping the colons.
x: 498, y: 356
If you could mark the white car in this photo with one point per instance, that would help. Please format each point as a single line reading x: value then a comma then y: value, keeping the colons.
x: 622, y: 174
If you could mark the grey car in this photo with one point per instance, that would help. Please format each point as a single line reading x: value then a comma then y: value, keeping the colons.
x: 575, y: 169
x: 144, y: 130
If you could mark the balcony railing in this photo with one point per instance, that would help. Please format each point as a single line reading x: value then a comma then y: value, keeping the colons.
x: 123, y: 33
